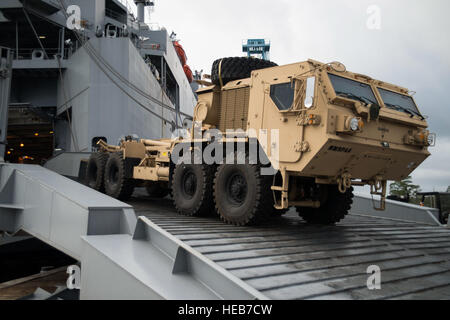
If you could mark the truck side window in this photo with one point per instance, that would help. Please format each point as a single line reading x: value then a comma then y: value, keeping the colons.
x: 283, y: 95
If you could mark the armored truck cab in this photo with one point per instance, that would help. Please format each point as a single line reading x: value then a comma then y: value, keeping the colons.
x: 335, y: 126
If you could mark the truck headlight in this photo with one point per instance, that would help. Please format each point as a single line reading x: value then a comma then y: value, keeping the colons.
x: 350, y: 125
x: 421, y: 138
x: 431, y: 139
x: 355, y: 124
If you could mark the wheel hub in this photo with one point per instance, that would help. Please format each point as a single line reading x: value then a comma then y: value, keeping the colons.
x: 189, y: 184
x: 237, y: 189
x: 93, y: 174
x: 114, y: 175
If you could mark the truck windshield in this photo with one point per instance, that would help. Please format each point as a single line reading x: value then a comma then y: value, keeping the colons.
x: 399, y: 102
x: 351, y: 89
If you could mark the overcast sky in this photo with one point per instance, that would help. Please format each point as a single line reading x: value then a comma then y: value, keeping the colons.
x: 411, y: 48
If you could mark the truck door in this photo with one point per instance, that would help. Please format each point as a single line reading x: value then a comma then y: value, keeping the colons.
x: 291, y: 99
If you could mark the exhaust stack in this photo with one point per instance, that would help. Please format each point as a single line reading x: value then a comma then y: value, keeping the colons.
x: 141, y: 4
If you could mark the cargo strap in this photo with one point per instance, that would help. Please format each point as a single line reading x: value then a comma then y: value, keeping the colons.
x: 220, y: 73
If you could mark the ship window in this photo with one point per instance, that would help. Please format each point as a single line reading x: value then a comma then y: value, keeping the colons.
x: 282, y: 95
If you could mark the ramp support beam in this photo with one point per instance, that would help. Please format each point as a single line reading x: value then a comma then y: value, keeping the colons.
x: 6, y: 56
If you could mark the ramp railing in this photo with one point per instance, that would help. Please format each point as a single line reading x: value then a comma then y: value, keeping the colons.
x: 121, y: 257
x: 57, y: 210
x: 153, y: 264
x: 67, y: 163
x: 363, y: 205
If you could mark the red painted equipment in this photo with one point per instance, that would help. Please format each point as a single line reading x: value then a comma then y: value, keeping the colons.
x: 188, y: 72
x: 180, y: 51
x: 182, y: 55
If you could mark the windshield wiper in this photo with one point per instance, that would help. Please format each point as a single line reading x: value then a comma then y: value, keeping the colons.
x: 349, y: 95
x: 409, y: 111
x: 417, y: 114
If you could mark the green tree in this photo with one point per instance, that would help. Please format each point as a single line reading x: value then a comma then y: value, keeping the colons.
x: 448, y: 189
x: 406, y: 189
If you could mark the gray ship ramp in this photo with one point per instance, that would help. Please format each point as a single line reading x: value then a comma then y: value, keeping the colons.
x: 288, y: 259
x: 162, y: 255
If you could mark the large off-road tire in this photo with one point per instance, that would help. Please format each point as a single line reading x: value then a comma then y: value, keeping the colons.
x: 95, y: 171
x: 192, y: 189
x: 157, y: 190
x: 117, y: 183
x: 237, y: 68
x: 335, y: 207
x: 443, y: 218
x: 242, y: 195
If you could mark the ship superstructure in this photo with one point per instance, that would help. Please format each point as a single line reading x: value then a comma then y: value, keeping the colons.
x: 89, y: 70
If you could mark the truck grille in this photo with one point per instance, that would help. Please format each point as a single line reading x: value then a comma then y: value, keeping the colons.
x: 234, y: 109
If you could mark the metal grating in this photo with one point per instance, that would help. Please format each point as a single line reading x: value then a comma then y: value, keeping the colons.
x: 234, y: 109
x: 287, y: 259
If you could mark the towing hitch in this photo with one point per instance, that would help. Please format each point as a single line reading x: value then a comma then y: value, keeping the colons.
x: 379, y: 188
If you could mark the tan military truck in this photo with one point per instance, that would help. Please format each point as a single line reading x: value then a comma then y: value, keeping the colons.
x: 300, y: 135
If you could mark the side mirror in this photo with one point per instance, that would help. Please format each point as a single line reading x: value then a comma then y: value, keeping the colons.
x: 310, y: 89
x: 338, y: 67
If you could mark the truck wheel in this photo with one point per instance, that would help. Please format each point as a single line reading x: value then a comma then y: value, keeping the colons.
x: 157, y: 190
x: 117, y: 184
x: 444, y: 218
x: 335, y: 207
x: 242, y: 195
x: 95, y: 171
x: 237, y: 68
x: 192, y: 189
